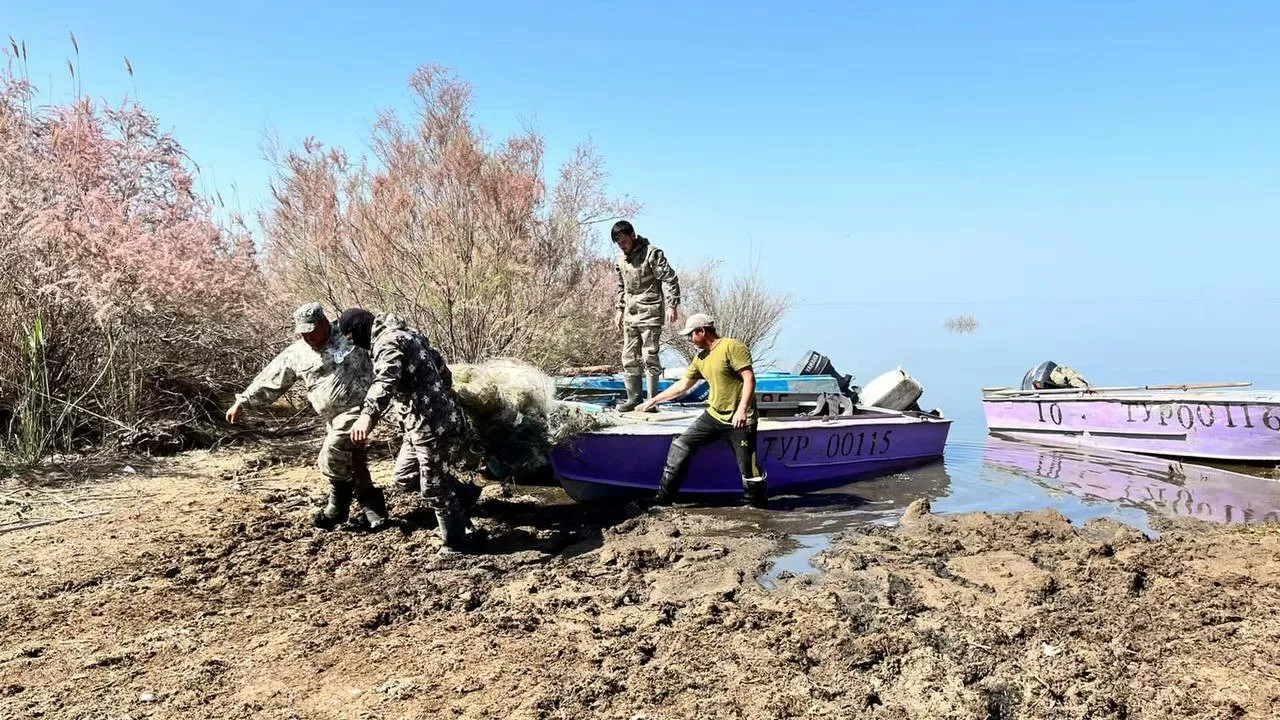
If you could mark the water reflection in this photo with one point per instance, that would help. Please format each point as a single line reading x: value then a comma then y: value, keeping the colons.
x: 812, y: 520
x: 1156, y: 485
x: 862, y: 502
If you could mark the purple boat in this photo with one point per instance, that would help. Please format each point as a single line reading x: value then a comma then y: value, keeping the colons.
x: 1187, y: 421
x: 797, y: 454
x: 1166, y: 486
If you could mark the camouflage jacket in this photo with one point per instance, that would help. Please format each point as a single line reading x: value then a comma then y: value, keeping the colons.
x: 336, y: 378
x: 407, y: 370
x: 646, y: 285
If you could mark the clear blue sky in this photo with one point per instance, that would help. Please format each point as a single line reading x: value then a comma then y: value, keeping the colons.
x: 866, y: 151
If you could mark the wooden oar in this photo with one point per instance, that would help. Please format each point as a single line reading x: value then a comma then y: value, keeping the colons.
x: 1061, y: 391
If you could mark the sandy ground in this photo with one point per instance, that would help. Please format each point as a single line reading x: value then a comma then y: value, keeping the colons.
x: 202, y: 592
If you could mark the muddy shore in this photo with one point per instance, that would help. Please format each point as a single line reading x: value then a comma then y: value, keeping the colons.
x: 201, y: 592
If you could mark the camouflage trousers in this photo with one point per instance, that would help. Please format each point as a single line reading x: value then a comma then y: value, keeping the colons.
x: 640, y: 347
x: 342, y: 462
x: 424, y: 463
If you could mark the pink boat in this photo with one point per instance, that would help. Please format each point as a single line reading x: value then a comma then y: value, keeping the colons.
x: 1214, y: 421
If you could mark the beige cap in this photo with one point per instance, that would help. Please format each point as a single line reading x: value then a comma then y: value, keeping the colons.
x: 697, y: 320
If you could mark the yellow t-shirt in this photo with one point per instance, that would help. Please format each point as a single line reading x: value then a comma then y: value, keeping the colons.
x: 720, y: 367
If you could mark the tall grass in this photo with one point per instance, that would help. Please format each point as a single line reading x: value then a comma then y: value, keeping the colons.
x: 37, y: 427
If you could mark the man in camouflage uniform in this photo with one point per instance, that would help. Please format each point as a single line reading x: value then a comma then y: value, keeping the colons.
x: 647, y: 292
x: 336, y: 375
x: 408, y: 371
x: 356, y: 325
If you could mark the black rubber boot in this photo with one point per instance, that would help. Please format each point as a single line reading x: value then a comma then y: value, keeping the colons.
x: 672, y: 473
x: 335, y: 511
x: 468, y: 493
x: 633, y: 393
x: 755, y: 491
x: 374, y: 503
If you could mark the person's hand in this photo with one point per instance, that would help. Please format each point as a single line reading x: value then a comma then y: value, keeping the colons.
x: 740, y: 418
x: 617, y: 319
x: 360, y: 430
x: 233, y: 413
x: 672, y: 316
x: 645, y: 406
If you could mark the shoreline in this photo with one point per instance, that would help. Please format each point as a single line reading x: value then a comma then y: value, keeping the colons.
x: 203, y: 592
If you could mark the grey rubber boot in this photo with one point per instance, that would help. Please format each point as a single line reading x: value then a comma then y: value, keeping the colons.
x: 651, y: 383
x: 335, y: 511
x: 633, y: 393
x: 451, y: 525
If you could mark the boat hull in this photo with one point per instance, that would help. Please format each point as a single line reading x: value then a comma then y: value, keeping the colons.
x: 1169, y: 487
x: 1228, y: 426
x: 797, y: 455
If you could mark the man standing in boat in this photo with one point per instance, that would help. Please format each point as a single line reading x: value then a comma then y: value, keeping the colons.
x: 725, y: 363
x: 648, y: 292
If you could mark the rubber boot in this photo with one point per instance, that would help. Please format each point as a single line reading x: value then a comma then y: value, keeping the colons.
x: 755, y: 491
x: 672, y: 473
x: 335, y: 512
x: 466, y: 492
x: 451, y: 525
x: 651, y: 383
x: 633, y: 393
x: 374, y: 503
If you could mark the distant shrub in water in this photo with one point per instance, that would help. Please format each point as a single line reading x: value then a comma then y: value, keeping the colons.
x: 124, y: 306
x: 962, y: 324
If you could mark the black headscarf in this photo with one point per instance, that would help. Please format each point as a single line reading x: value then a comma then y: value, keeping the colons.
x: 358, y: 323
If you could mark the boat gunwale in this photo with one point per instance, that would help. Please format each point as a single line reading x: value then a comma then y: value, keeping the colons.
x: 677, y: 425
x: 1137, y: 396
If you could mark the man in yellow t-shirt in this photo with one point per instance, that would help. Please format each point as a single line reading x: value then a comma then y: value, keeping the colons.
x: 731, y: 415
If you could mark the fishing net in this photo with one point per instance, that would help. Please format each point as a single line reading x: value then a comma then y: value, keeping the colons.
x: 515, y: 418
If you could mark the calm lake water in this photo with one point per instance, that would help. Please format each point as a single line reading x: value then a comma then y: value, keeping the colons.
x: 1111, y: 342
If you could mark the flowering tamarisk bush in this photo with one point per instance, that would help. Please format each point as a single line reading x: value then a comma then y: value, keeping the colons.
x: 125, y: 306
x: 465, y: 237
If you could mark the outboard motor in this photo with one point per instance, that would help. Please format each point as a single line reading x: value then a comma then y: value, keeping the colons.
x: 1037, y: 378
x: 815, y: 363
x: 1049, y: 375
